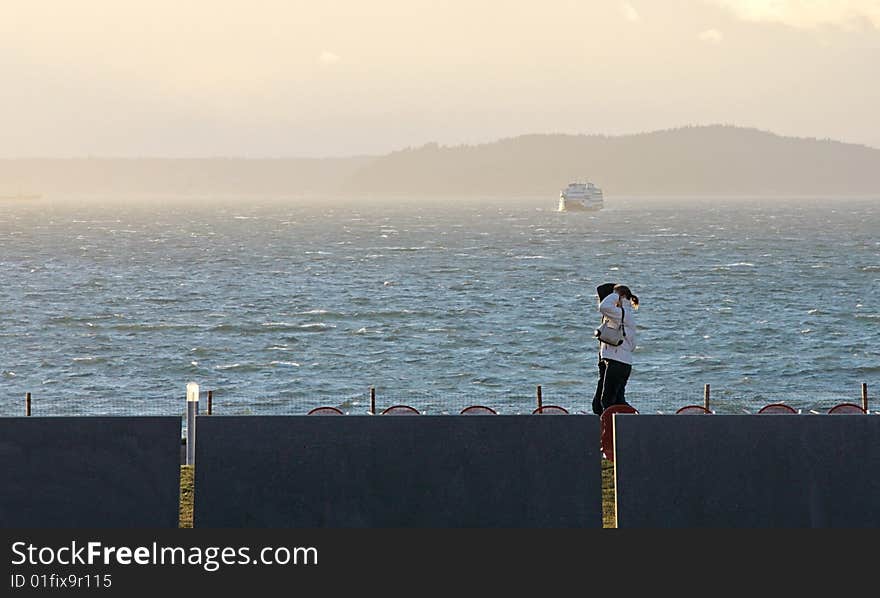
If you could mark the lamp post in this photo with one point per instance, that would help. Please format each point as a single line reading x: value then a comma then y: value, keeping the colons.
x: 192, y: 410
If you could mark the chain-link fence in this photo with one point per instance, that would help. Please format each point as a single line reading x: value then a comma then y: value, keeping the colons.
x: 378, y: 400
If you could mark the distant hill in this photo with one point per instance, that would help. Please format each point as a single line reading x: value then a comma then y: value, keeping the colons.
x: 234, y: 177
x: 685, y: 161
x: 699, y: 160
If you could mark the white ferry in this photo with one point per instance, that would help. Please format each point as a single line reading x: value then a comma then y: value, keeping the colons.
x: 578, y: 197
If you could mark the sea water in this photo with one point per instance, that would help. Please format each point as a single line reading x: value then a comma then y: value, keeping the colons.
x: 278, y: 306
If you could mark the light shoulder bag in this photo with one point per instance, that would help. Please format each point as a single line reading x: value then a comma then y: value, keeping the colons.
x: 610, y: 335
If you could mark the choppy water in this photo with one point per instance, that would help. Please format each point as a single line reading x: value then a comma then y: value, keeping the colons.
x: 279, y: 308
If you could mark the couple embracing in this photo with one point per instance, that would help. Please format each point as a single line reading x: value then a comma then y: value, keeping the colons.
x: 617, y: 304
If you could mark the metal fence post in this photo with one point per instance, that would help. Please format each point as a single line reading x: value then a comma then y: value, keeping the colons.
x: 192, y: 409
x: 540, y: 398
x: 27, y: 404
x: 706, y: 397
x: 865, y: 396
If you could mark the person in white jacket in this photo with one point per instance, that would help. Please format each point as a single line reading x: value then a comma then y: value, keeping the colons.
x: 602, y: 291
x: 619, y: 306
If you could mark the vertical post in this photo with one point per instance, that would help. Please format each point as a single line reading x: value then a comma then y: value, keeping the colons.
x: 210, y: 401
x: 27, y: 404
x: 192, y: 409
x: 864, y: 396
x: 540, y: 399
x: 372, y: 400
x: 706, y: 396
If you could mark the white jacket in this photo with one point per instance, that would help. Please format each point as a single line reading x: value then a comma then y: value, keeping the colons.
x: 609, y: 309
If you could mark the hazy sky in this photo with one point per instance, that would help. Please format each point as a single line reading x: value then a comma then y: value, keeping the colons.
x: 343, y: 77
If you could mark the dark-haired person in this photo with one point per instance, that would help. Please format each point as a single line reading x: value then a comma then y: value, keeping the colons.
x: 619, y: 306
x: 602, y: 291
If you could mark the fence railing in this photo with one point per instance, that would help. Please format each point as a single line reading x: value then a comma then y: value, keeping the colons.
x: 375, y: 401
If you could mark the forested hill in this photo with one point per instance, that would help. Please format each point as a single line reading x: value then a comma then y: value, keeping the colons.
x: 685, y: 161
x: 704, y: 160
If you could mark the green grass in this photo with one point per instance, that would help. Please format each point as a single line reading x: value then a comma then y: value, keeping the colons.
x: 186, y: 496
x: 608, y: 519
x: 187, y: 482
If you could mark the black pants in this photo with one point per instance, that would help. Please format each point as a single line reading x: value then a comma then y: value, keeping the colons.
x: 597, y: 398
x: 613, y: 379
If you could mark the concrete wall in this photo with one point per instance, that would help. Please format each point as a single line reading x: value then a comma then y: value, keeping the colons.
x: 99, y: 472
x: 388, y: 471
x: 767, y: 471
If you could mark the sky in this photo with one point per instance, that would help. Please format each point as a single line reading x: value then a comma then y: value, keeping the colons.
x: 289, y: 78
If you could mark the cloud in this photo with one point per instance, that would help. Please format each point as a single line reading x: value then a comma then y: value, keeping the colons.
x: 629, y: 12
x: 711, y: 36
x: 806, y: 14
x: 327, y: 57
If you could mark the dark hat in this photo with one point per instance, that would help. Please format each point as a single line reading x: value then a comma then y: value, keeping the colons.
x: 603, y: 290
